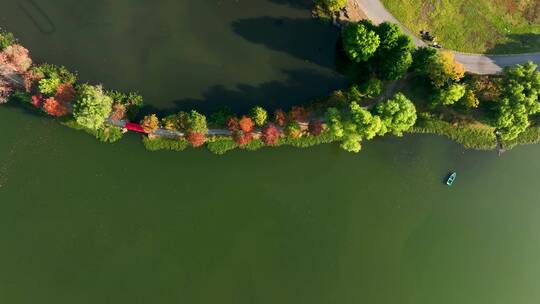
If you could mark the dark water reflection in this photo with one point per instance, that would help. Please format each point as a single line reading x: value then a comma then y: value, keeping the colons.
x: 182, y: 54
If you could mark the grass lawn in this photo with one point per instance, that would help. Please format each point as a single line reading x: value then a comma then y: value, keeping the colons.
x: 476, y: 26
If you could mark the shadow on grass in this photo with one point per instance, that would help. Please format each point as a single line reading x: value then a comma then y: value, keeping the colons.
x: 301, y: 86
x: 519, y: 43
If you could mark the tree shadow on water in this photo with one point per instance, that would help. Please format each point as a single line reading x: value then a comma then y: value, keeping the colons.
x: 301, y: 4
x: 517, y: 44
x: 306, y: 39
x: 301, y: 86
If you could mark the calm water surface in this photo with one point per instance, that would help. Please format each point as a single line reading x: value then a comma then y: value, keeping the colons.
x: 82, y: 222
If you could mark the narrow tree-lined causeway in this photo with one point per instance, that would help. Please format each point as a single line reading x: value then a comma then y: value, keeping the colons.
x: 83, y: 221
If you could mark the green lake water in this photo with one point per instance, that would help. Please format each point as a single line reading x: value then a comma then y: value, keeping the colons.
x: 83, y: 222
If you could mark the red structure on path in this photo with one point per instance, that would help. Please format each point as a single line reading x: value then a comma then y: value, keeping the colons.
x: 134, y: 127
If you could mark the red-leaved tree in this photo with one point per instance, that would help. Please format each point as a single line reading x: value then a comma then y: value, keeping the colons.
x: 299, y: 114
x: 37, y: 100
x: 315, y: 127
x: 243, y: 138
x: 232, y: 124
x: 246, y: 124
x: 280, y: 118
x: 65, y: 93
x: 54, y: 108
x: 196, y: 139
x: 30, y: 80
x: 270, y: 134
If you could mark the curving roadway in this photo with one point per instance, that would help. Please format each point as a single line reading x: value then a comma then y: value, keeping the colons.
x: 474, y: 63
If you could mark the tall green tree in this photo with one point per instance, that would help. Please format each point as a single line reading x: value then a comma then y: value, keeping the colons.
x: 450, y: 95
x: 259, y: 116
x: 335, y: 122
x: 368, y: 125
x: 351, y: 140
x: 394, y: 55
x: 92, y: 106
x: 332, y: 5
x: 360, y: 42
x: 520, y: 99
x: 398, y: 114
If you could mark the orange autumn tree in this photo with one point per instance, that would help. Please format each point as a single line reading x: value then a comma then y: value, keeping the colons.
x: 150, y: 123
x: 246, y: 124
x: 196, y: 139
x: 55, y: 108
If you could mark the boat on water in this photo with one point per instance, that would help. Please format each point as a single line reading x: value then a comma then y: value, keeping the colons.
x: 451, y: 179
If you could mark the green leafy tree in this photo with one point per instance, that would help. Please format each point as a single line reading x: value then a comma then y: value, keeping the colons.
x: 398, y: 114
x: 197, y: 122
x: 423, y: 57
x: 368, y: 125
x: 259, y: 116
x: 520, y: 94
x: 51, y: 77
x: 469, y: 100
x: 351, y: 140
x: 395, y: 62
x: 6, y: 39
x: 92, y: 106
x: 450, y: 95
x: 332, y: 5
x: 335, y: 122
x: 394, y: 55
x: 445, y: 70
x: 369, y: 89
x: 359, y: 42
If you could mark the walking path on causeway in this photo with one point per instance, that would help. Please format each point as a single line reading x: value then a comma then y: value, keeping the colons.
x: 474, y: 63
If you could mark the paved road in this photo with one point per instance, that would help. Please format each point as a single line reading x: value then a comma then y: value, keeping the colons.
x: 474, y: 63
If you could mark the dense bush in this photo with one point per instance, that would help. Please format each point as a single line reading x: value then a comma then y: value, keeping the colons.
x: 221, y: 145
x: 473, y: 136
x: 109, y: 134
x: 253, y: 145
x: 156, y: 144
x: 307, y: 141
x: 6, y: 39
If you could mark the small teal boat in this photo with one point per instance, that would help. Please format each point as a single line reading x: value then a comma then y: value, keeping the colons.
x: 451, y: 179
